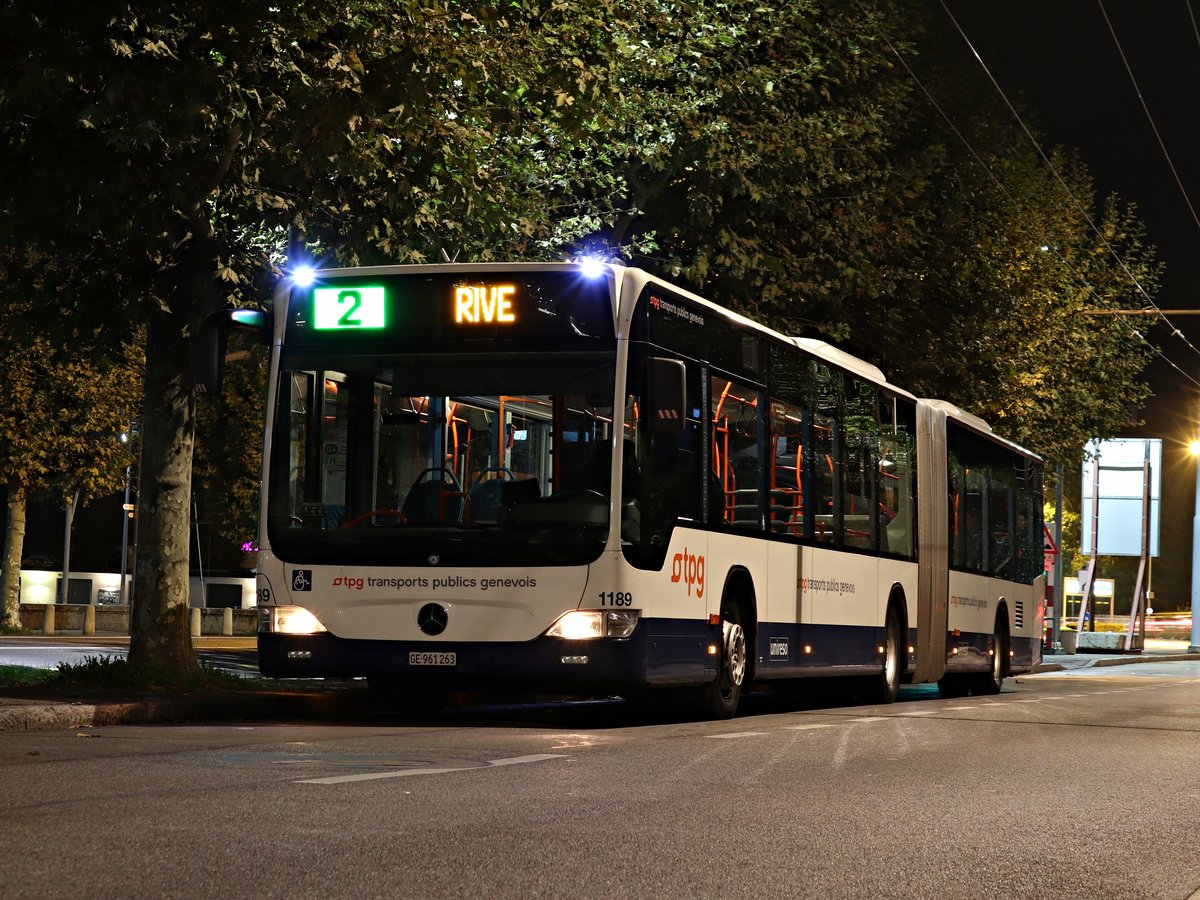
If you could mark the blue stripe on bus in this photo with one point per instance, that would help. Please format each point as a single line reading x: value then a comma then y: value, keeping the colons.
x: 661, y: 651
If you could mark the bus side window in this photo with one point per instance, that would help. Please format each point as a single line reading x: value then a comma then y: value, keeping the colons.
x: 823, y: 463
x: 861, y: 428
x: 735, y: 451
x: 785, y: 512
x: 897, y: 473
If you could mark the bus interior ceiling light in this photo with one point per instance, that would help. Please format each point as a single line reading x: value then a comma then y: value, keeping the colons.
x: 304, y: 276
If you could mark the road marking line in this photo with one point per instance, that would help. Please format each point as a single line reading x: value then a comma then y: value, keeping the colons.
x: 920, y: 712
x: 871, y: 719
x: 737, y: 734
x: 488, y: 764
x: 804, y: 727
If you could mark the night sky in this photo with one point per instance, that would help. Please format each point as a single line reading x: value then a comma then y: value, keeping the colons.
x: 1060, y: 58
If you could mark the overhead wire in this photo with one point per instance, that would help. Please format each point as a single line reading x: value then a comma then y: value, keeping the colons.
x: 1175, y: 332
x: 1082, y: 279
x: 1141, y: 99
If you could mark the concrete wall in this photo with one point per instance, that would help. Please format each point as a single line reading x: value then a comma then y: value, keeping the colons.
x: 92, y: 619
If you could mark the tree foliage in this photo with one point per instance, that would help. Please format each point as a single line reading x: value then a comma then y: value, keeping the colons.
x: 842, y: 169
x: 165, y: 148
x: 62, y: 412
x: 777, y: 156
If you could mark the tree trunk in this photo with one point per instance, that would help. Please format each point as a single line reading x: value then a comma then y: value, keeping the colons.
x: 159, y: 631
x: 72, y: 505
x: 10, y: 571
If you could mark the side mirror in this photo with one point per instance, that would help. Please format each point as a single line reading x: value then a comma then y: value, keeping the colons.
x: 208, y: 347
x: 666, y: 381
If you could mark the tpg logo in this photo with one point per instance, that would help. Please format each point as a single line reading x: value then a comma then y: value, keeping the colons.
x: 690, y: 570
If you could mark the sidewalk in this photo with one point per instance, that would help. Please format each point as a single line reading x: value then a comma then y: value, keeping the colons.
x: 42, y: 709
x: 1157, y: 650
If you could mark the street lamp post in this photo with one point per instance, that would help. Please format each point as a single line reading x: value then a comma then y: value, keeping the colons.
x: 1194, y: 644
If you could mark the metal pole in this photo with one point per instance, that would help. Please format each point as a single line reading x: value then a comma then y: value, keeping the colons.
x: 1135, y: 633
x: 1089, y: 586
x: 1060, y: 589
x: 70, y: 521
x: 126, y: 513
x: 1194, y: 646
x: 199, y: 553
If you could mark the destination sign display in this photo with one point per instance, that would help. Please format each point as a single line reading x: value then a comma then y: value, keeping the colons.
x: 358, y: 307
x: 482, y: 303
x: 391, y: 311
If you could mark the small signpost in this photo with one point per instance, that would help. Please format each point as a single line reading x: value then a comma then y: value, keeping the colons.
x: 1049, y: 549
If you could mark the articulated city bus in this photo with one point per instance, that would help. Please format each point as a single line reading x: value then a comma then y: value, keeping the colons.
x: 578, y: 479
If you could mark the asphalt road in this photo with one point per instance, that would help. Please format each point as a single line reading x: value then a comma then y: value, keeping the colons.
x: 1072, y: 784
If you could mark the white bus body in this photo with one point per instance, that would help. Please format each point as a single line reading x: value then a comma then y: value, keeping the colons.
x: 787, y: 513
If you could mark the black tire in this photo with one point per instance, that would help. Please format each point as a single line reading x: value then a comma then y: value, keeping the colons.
x: 993, y: 681
x: 885, y: 686
x: 719, y: 700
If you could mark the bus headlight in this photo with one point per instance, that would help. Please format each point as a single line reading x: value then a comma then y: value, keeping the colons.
x: 288, y: 620
x: 588, y: 624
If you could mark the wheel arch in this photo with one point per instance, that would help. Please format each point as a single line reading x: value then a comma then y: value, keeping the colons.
x: 739, y: 588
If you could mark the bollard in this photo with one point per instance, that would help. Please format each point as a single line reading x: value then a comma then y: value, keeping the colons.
x: 89, y: 619
x: 227, y: 622
x: 48, y: 619
x: 195, y: 612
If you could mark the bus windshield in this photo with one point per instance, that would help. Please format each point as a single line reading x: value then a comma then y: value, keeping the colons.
x: 500, y: 459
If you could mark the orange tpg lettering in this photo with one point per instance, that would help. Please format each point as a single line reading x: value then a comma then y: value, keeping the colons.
x: 690, y: 570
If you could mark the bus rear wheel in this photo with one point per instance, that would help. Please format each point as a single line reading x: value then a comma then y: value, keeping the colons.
x: 720, y: 698
x: 993, y: 681
x: 886, y: 685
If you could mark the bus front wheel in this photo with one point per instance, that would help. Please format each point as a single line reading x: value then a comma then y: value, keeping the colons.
x: 720, y: 698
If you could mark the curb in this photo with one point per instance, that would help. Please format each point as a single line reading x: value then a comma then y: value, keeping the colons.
x: 1101, y: 662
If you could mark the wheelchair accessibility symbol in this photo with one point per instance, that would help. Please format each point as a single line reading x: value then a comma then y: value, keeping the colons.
x: 302, y: 580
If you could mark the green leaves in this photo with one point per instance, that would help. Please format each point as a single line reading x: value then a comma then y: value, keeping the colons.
x: 64, y: 407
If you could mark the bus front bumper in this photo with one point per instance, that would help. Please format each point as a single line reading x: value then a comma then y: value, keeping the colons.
x: 545, y: 662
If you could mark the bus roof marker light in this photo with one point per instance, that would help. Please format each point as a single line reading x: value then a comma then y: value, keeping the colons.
x: 590, y: 267
x: 303, y: 276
